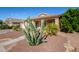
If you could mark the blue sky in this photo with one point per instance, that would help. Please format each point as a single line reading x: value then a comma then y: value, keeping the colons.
x: 24, y: 12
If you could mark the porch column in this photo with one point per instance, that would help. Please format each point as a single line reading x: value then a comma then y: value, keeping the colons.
x: 57, y: 23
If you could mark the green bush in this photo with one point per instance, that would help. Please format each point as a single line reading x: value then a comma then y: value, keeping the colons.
x: 51, y: 29
x: 1, y: 22
x: 70, y: 20
x: 17, y: 27
x: 65, y: 25
x: 4, y: 26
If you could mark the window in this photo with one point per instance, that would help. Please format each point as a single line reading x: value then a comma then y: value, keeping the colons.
x: 50, y: 21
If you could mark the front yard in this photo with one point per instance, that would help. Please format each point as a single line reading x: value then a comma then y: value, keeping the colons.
x: 51, y: 44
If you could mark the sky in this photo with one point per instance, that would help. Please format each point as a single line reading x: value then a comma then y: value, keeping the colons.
x: 24, y: 12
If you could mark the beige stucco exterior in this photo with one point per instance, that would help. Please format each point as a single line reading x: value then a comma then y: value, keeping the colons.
x: 57, y: 23
x: 48, y: 18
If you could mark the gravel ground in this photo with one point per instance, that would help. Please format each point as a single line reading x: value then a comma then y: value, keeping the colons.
x: 12, y: 34
x: 53, y: 44
x: 5, y: 31
x: 73, y: 39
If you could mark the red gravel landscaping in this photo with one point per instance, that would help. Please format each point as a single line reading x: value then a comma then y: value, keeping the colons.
x: 13, y: 34
x: 53, y: 44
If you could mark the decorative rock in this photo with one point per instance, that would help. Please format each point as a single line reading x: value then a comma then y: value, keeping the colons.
x: 69, y: 48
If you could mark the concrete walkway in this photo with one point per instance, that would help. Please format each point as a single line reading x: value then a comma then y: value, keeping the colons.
x: 2, y: 49
x: 5, y: 31
x: 9, y: 42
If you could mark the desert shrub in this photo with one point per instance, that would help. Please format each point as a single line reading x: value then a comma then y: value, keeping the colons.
x: 51, y: 29
x: 17, y: 27
x: 33, y: 35
x: 4, y: 26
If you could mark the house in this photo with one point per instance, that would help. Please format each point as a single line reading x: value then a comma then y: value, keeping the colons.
x: 13, y: 21
x: 48, y: 18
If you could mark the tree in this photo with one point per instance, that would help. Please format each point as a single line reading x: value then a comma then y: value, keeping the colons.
x: 70, y: 20
x: 3, y: 25
x: 1, y: 22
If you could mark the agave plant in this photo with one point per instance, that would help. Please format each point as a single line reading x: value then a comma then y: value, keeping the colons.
x: 32, y: 34
x: 51, y: 29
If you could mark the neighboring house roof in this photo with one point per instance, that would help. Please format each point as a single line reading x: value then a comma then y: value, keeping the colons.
x: 13, y: 20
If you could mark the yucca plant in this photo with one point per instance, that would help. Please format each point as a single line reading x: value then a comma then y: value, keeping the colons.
x: 33, y: 36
